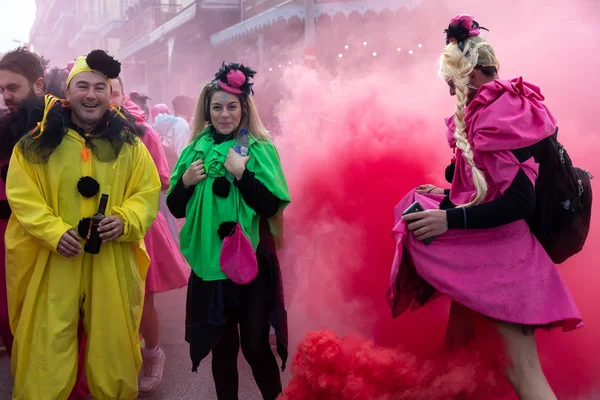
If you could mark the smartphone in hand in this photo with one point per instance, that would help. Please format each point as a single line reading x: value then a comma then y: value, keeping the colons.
x: 417, y: 207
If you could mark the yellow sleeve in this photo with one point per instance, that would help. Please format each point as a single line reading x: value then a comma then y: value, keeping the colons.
x: 142, y: 196
x: 24, y: 194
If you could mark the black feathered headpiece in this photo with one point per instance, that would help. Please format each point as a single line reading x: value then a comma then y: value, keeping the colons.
x: 236, y: 79
x: 461, y: 28
x: 99, y: 61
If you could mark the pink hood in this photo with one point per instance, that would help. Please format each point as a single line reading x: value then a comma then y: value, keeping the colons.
x: 503, y: 116
x: 133, y: 109
x: 506, y: 115
x: 152, y: 141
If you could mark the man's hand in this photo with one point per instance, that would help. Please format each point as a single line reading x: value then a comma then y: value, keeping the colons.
x: 110, y: 228
x: 68, y: 245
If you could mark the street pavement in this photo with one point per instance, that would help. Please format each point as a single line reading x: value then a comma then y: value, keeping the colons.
x: 179, y: 383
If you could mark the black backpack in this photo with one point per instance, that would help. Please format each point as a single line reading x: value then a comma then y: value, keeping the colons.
x: 563, y: 203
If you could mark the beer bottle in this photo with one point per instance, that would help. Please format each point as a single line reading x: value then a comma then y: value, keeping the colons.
x: 93, y: 241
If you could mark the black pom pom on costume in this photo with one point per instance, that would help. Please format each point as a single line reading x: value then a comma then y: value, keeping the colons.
x: 221, y: 187
x: 450, y: 172
x: 100, y: 61
x: 4, y: 172
x: 84, y: 226
x: 226, y: 229
x: 88, y: 186
x: 5, y: 210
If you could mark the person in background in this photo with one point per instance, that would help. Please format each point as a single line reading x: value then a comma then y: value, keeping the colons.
x: 56, y: 81
x: 158, y: 109
x: 175, y: 129
x: 141, y: 100
x: 165, y: 125
x: 21, y: 78
x: 168, y: 269
x: 183, y: 107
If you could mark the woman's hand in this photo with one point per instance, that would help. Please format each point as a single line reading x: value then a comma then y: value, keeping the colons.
x: 421, y: 189
x: 427, y: 224
x: 194, y: 174
x: 235, y: 164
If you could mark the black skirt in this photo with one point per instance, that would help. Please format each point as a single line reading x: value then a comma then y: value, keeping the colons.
x: 207, y: 301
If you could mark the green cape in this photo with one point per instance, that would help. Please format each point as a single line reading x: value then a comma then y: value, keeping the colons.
x: 200, y: 242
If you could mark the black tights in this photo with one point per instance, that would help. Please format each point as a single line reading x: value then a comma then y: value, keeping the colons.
x: 254, y: 334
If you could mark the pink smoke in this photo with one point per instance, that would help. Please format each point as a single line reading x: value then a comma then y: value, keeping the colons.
x: 356, y: 141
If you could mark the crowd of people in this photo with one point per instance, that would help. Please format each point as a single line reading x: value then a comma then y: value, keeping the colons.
x: 106, y: 202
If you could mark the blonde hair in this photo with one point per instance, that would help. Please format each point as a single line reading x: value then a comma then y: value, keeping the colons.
x: 250, y: 118
x: 456, y: 66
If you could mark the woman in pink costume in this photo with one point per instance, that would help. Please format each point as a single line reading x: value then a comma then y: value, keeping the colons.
x: 168, y: 269
x: 483, y: 254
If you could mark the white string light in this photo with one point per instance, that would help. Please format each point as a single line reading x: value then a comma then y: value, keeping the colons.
x: 365, y: 43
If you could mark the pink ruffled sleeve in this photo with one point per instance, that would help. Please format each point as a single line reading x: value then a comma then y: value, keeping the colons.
x: 501, y: 168
x: 505, y: 116
x: 508, y: 115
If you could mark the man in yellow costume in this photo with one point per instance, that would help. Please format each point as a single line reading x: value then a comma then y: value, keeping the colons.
x: 80, y: 151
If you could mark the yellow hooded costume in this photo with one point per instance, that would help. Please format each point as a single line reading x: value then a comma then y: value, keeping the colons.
x: 47, y: 292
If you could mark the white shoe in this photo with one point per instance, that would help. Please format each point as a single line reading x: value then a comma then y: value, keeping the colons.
x: 152, y: 371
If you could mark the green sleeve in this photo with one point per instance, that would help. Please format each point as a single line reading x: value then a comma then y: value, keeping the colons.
x: 266, y: 165
x: 187, y: 157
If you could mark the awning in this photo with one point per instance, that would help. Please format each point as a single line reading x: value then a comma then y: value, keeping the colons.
x: 272, y: 15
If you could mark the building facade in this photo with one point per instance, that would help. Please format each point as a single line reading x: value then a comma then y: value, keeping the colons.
x: 55, y: 24
x: 169, y: 47
x: 166, y: 49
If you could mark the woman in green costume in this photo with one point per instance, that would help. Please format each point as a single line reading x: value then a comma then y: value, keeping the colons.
x: 213, y: 186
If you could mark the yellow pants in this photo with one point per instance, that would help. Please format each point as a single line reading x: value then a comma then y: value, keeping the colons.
x: 108, y: 292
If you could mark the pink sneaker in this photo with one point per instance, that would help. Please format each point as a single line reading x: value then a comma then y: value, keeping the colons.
x: 152, y: 371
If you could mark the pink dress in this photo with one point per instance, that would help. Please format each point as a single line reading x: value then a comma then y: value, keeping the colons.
x: 168, y: 269
x: 503, y: 273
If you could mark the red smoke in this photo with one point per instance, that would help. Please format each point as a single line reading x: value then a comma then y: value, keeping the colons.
x: 333, y: 368
x: 355, y: 143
